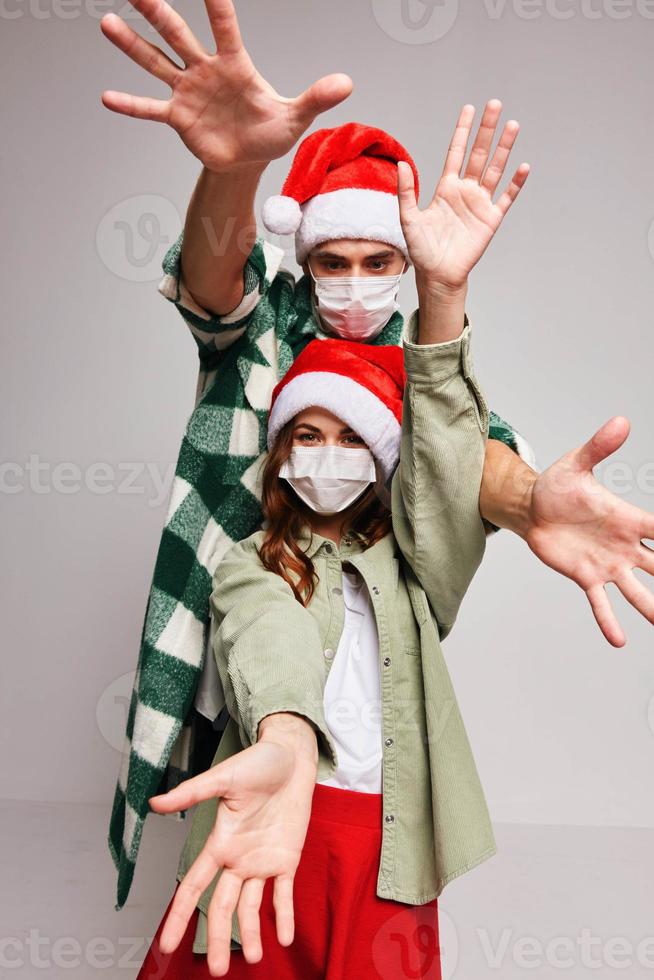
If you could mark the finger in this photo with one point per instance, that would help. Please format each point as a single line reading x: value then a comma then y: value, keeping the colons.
x: 495, y: 168
x: 604, y: 615
x: 147, y: 55
x: 459, y: 143
x: 249, y: 923
x: 506, y: 199
x: 219, y: 920
x: 217, y: 781
x: 139, y: 106
x: 605, y: 441
x: 482, y: 144
x: 646, y: 558
x: 284, y: 913
x: 324, y: 94
x: 406, y: 191
x: 636, y: 593
x: 173, y: 29
x: 224, y: 26
x: 196, y: 880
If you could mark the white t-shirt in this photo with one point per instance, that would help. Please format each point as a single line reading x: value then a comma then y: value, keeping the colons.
x: 352, y: 697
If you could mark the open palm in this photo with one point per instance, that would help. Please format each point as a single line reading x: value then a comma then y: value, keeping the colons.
x: 587, y: 533
x: 264, y: 798
x: 448, y: 237
x: 225, y: 112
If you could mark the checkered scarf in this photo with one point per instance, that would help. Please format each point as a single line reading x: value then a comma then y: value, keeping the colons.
x: 214, y: 502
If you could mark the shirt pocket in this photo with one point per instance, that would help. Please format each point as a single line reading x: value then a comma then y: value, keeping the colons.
x: 408, y: 632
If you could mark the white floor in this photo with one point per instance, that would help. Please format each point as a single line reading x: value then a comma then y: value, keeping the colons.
x: 554, y: 902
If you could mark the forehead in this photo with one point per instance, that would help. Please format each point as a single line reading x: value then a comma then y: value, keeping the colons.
x: 353, y: 248
x: 320, y: 417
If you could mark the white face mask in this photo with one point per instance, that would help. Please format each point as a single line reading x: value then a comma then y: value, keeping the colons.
x: 356, y: 307
x: 328, y: 478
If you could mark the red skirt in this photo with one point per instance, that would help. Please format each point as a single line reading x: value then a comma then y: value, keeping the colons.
x: 342, y: 929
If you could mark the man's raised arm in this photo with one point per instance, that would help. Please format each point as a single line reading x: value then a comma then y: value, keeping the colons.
x: 231, y: 119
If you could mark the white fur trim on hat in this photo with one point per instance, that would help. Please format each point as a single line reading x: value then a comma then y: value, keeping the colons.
x: 352, y: 212
x: 348, y: 400
x: 281, y: 214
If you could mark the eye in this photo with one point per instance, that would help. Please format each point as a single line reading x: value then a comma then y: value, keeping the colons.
x: 378, y: 264
x: 333, y: 265
x: 353, y: 439
x: 306, y: 436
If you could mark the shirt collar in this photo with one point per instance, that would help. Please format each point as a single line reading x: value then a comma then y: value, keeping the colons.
x: 311, y: 543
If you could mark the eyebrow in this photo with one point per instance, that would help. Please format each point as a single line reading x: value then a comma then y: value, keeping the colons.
x: 315, y: 428
x: 332, y: 255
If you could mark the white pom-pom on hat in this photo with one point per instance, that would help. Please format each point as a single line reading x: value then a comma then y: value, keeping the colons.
x: 281, y: 214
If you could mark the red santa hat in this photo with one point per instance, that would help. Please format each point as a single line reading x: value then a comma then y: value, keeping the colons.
x: 342, y: 184
x: 362, y: 384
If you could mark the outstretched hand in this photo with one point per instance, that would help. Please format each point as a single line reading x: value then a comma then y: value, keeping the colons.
x: 225, y: 112
x: 264, y: 803
x: 449, y: 237
x: 584, y: 531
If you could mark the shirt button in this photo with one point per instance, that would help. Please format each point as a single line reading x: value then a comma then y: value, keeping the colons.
x: 329, y: 653
x: 337, y: 591
x: 389, y: 818
x: 375, y: 589
x: 388, y: 741
x: 328, y: 549
x: 387, y: 661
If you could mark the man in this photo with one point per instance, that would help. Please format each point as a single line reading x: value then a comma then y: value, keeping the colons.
x: 250, y: 319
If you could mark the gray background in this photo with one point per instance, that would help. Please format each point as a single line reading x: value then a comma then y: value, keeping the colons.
x: 99, y: 368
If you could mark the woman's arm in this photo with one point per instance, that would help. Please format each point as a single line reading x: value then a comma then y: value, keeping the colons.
x: 267, y: 648
x: 435, y: 489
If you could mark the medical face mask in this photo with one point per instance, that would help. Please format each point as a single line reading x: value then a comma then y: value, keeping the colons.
x: 356, y: 307
x: 328, y: 478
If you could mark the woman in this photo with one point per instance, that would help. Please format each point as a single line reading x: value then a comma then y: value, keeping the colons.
x: 352, y: 824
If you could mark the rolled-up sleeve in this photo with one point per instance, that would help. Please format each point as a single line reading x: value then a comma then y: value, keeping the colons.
x: 213, y: 332
x: 267, y: 648
x: 435, y: 488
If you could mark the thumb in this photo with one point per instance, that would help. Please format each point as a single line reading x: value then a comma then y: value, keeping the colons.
x: 216, y: 781
x: 605, y: 441
x: 406, y: 192
x: 324, y: 94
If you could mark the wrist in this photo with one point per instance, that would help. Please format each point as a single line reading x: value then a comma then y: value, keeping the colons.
x: 291, y: 730
x: 523, y: 518
x: 246, y: 171
x: 441, y: 311
x: 443, y: 292
x: 506, y: 494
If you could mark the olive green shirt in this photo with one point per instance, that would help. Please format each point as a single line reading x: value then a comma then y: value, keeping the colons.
x: 270, y: 650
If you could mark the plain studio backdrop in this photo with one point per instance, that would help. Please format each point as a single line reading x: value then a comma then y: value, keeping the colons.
x: 100, y: 370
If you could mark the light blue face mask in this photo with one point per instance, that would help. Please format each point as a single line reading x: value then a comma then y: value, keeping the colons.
x: 355, y: 307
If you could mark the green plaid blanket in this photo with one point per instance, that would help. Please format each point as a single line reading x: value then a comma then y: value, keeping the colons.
x: 214, y: 502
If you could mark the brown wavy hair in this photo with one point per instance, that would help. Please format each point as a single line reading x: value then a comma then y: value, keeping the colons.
x: 369, y: 519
